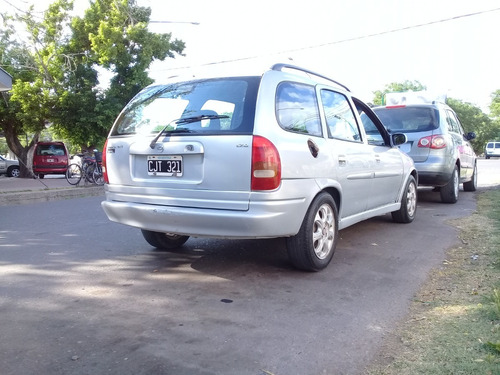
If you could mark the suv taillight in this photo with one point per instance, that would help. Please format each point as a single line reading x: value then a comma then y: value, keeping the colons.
x: 266, y: 165
x: 432, y: 141
x: 104, y: 171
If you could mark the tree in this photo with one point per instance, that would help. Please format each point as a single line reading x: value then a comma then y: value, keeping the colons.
x: 474, y: 120
x: 112, y: 36
x: 379, y: 96
x: 55, y: 71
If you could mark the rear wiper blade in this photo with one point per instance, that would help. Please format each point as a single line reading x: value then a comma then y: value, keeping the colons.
x: 185, y: 120
x: 189, y: 120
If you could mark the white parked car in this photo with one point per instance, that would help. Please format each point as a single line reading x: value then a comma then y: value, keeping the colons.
x: 492, y: 149
x: 287, y: 153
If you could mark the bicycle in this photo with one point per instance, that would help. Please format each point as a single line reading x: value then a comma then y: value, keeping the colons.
x: 90, y: 170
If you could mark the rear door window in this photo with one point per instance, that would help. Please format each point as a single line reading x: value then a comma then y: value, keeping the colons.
x: 453, y: 124
x: 297, y: 108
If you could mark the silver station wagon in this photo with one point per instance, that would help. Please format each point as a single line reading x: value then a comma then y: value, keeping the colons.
x: 286, y: 153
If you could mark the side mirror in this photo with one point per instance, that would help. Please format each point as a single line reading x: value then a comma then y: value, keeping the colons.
x: 399, y: 139
x: 470, y: 136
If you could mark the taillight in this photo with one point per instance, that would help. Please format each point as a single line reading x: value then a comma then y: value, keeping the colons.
x: 432, y: 141
x: 104, y: 171
x: 266, y: 165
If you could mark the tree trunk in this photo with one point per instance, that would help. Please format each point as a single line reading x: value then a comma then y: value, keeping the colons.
x: 24, y: 154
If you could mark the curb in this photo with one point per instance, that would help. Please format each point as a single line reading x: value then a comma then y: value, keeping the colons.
x: 46, y: 195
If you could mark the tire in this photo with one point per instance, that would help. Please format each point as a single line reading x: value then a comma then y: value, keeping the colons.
x: 406, y: 214
x: 40, y: 176
x: 472, y: 184
x: 164, y: 240
x: 312, y: 248
x: 97, y: 176
x: 74, y: 174
x: 88, y: 172
x: 13, y: 172
x: 449, y: 192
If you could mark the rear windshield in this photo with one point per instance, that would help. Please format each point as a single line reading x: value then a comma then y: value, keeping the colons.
x: 51, y: 150
x: 493, y: 145
x: 408, y: 119
x: 214, y: 106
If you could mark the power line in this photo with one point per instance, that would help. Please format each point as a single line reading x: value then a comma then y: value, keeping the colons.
x: 349, y: 39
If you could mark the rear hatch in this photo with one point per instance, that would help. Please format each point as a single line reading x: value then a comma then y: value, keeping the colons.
x: 417, y: 122
x: 187, y: 144
x: 50, y: 156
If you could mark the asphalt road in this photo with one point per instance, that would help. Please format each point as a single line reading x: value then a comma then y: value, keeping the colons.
x: 82, y: 295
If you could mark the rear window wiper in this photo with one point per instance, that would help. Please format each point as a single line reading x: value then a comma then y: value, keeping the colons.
x: 182, y: 121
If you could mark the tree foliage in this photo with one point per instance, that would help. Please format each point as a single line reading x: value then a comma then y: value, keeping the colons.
x: 379, y: 96
x: 57, y: 67
x: 473, y: 119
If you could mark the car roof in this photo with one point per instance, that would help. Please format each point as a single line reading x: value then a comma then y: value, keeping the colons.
x: 252, y: 71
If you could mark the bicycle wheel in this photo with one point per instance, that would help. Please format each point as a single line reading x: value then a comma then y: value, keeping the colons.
x: 88, y: 171
x: 74, y: 174
x: 97, y: 175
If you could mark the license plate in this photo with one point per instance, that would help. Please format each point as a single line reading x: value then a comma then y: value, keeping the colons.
x: 165, y: 165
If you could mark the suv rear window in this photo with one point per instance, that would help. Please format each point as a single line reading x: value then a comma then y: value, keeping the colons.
x: 409, y: 119
x: 50, y: 150
x: 229, y: 101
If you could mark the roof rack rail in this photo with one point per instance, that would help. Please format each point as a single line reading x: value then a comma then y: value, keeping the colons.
x: 280, y: 67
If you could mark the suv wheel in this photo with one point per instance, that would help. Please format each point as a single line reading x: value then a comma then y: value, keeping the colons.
x: 406, y: 213
x: 164, y: 240
x: 472, y: 184
x: 449, y: 192
x: 312, y: 248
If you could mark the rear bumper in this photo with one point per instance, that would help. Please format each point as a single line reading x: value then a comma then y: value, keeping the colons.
x: 435, y: 172
x: 50, y: 169
x: 262, y: 220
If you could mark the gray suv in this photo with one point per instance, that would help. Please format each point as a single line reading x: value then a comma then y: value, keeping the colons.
x: 438, y: 145
x: 286, y: 153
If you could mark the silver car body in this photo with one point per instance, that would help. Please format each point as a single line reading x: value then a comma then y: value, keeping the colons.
x: 212, y: 197
x: 9, y: 167
x: 424, y: 124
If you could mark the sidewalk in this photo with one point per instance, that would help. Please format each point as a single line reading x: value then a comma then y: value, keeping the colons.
x: 29, y: 190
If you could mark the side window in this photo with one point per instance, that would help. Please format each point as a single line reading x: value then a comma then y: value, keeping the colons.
x: 339, y: 117
x: 453, y: 125
x: 297, y: 108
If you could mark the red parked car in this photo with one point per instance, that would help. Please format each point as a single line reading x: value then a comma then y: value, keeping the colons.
x: 50, y: 158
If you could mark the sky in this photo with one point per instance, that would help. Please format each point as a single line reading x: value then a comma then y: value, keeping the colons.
x: 450, y: 46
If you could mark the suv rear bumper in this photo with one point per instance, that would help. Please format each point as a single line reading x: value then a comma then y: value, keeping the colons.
x: 262, y: 220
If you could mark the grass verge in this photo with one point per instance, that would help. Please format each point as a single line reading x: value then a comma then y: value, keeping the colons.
x: 453, y: 326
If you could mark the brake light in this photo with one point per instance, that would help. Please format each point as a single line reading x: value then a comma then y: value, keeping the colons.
x: 104, y: 171
x: 432, y: 141
x: 266, y: 165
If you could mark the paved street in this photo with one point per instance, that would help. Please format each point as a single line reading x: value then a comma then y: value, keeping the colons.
x: 82, y: 295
